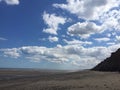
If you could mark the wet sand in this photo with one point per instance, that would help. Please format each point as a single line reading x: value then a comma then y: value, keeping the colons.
x: 13, y: 79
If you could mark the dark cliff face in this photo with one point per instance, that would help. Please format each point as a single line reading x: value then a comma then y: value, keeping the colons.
x: 110, y: 64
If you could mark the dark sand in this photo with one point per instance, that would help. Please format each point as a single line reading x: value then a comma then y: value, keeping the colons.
x: 13, y: 79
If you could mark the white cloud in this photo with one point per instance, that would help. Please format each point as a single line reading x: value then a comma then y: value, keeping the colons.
x: 69, y: 54
x: 85, y: 29
x: 2, y: 39
x: 111, y: 20
x: 43, y: 53
x: 59, y: 46
x: 53, y: 39
x: 14, y: 52
x: 111, y: 43
x: 52, y: 21
x: 75, y: 42
x: 11, y: 2
x: 88, y: 9
x: 104, y: 39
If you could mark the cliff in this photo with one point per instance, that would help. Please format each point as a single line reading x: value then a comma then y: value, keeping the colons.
x: 110, y: 64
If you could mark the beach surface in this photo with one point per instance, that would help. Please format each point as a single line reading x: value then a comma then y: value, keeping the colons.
x: 23, y: 79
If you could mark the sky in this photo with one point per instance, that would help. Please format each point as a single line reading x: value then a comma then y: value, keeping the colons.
x: 58, y: 34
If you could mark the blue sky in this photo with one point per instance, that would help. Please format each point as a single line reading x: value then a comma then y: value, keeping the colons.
x: 58, y: 34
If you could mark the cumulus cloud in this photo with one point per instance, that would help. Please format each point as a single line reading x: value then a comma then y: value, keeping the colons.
x: 104, y: 39
x: 2, y: 39
x: 52, y: 21
x: 88, y: 9
x: 53, y: 39
x: 69, y: 54
x: 85, y: 29
x: 14, y: 52
x: 11, y: 2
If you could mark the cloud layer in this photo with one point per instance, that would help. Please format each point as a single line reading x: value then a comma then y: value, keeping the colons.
x: 69, y: 54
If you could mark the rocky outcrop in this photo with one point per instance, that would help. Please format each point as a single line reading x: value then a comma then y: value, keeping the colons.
x: 110, y: 64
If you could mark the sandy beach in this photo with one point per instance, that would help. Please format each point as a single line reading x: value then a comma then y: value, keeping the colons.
x: 58, y: 80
